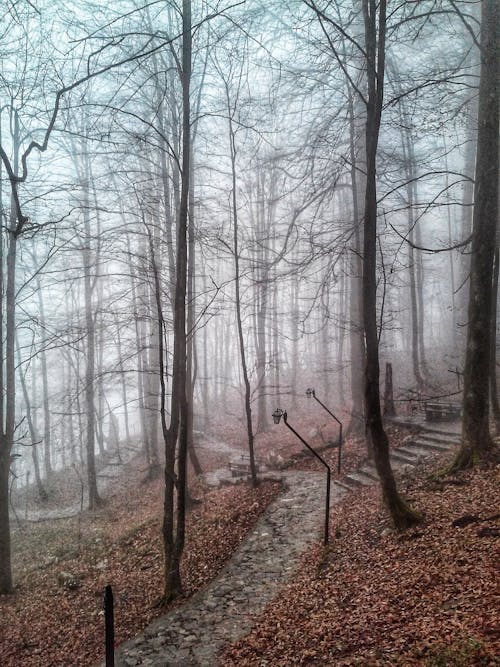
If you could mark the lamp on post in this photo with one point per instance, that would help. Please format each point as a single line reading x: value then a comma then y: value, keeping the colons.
x: 311, y: 393
x: 277, y: 414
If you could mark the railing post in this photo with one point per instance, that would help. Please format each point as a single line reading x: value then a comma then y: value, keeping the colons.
x: 109, y: 622
x: 311, y: 392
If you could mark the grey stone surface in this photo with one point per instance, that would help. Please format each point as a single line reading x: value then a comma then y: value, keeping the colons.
x: 223, y: 611
x: 193, y: 635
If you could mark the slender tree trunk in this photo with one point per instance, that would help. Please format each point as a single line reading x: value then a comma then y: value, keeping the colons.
x: 342, y: 318
x: 7, y: 436
x: 356, y: 334
x: 401, y: 514
x: 42, y: 493
x: 415, y: 313
x: 45, y: 388
x: 206, y: 384
x: 261, y: 356
x: 495, y: 403
x: 138, y: 306
x: 159, y: 350
x: 94, y: 499
x: 191, y: 319
x: 324, y: 351
x: 100, y: 378
x: 8, y: 390
x: 237, y: 286
x: 294, y: 370
x: 174, y: 528
x: 153, y: 353
x: 276, y: 340
x: 389, y: 407
x: 123, y: 380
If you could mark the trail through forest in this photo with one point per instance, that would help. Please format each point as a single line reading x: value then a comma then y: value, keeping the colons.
x: 112, y: 469
x: 221, y: 613
x: 224, y: 611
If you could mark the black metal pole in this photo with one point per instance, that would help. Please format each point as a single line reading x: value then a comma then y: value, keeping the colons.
x: 339, y: 458
x: 328, y: 477
x: 109, y: 626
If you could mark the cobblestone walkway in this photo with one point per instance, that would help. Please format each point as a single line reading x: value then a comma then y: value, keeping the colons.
x: 223, y: 611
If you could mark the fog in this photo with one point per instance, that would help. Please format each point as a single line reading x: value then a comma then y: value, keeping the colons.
x: 107, y: 141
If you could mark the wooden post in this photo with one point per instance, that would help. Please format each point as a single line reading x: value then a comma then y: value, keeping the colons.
x: 109, y: 626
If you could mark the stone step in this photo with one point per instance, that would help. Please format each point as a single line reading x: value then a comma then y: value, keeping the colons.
x: 402, y: 458
x: 437, y: 446
x: 370, y: 471
x: 340, y: 486
x: 437, y: 439
x: 351, y: 481
x: 414, y: 450
x: 442, y: 433
x: 358, y: 479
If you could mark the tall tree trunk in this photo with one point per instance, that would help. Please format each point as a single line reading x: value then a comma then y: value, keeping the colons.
x: 294, y: 334
x: 174, y: 527
x: 237, y: 288
x: 261, y: 355
x: 42, y: 493
x: 476, y: 438
x: 401, y: 514
x: 191, y: 320
x: 276, y: 339
x: 8, y: 390
x: 153, y: 351
x: 7, y: 436
x: 123, y: 380
x: 45, y: 388
x: 139, y: 309
x: 101, y: 398
x: 495, y: 402
x: 356, y: 334
x: 94, y: 499
x: 415, y: 312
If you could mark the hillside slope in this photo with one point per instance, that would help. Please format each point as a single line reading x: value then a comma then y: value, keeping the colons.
x: 376, y: 597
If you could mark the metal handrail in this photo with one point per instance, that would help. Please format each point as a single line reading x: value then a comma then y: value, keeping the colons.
x: 311, y: 392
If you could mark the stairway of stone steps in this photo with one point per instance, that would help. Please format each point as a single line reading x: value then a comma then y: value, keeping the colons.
x: 429, y: 440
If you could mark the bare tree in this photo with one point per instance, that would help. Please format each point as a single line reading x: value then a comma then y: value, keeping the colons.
x: 476, y: 437
x: 177, y: 432
x: 375, y: 34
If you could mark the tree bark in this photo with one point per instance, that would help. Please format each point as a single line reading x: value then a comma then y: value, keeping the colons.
x: 94, y: 499
x: 42, y: 493
x: 8, y: 389
x: 495, y: 403
x: 476, y: 438
x: 356, y: 334
x: 401, y: 514
x: 174, y: 527
x: 45, y: 386
x: 239, y: 322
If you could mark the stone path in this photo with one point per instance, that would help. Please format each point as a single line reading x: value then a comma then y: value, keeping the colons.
x: 194, y: 634
x: 223, y: 612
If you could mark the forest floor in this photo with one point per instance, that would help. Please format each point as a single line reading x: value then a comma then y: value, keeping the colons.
x: 376, y: 597
x: 61, y: 566
x: 373, y: 598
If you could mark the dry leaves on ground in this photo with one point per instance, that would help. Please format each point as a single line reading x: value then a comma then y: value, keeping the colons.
x: 376, y: 597
x: 56, y: 620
